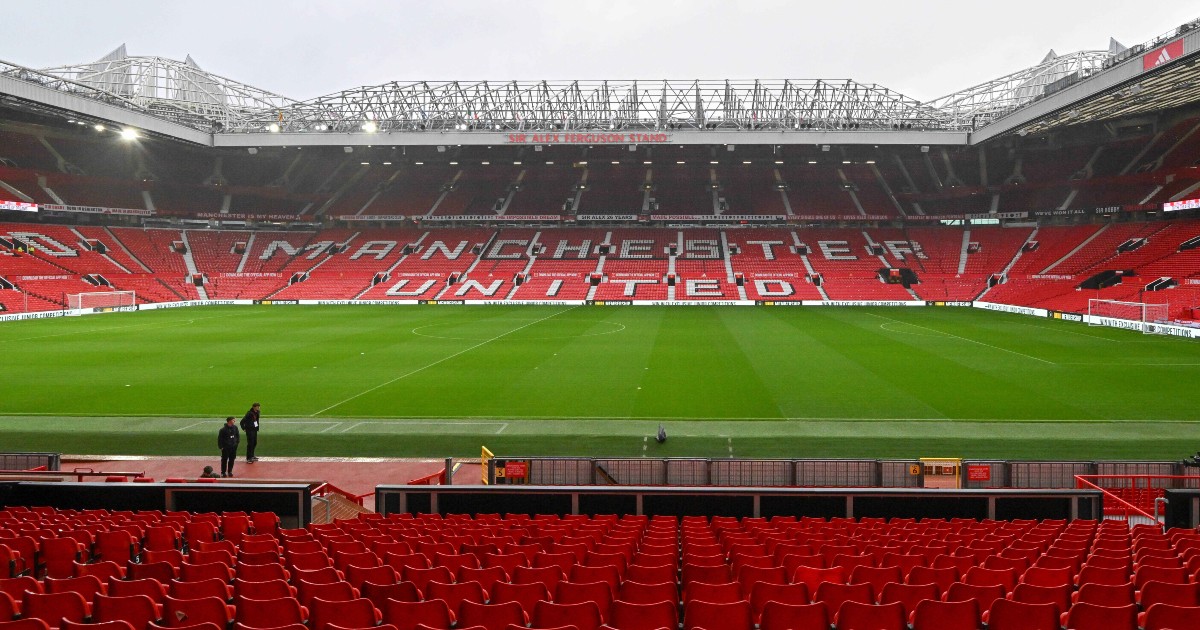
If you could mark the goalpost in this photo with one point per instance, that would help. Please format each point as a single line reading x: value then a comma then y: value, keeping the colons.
x: 101, y: 299
x: 1145, y: 314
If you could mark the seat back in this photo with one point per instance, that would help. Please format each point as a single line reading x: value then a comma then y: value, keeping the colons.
x: 583, y: 615
x: 1006, y: 614
x: 54, y: 607
x: 489, y: 616
x: 433, y: 613
x: 939, y: 615
x: 728, y: 616
x: 1170, y: 617
x: 1085, y: 616
x: 778, y: 615
x: 351, y: 613
x: 630, y: 616
x: 859, y: 616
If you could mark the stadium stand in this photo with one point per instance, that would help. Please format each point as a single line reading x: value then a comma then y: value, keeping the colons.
x: 1153, y: 572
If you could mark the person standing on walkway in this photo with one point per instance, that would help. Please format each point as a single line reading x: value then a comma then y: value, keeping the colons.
x: 227, y: 441
x: 250, y: 426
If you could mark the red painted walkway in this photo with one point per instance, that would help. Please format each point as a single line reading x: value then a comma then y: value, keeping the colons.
x: 355, y: 476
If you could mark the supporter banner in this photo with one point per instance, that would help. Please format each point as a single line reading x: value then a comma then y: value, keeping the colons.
x: 929, y: 218
x: 1130, y: 324
x: 1078, y: 211
x: 372, y: 217
x: 841, y: 217
x: 44, y: 277
x: 359, y: 302
x: 249, y: 274
x: 39, y: 315
x: 1162, y: 55
x: 606, y: 217
x: 242, y: 216
x: 967, y: 217
x: 863, y: 302
x: 134, y: 212
x: 587, y: 138
x: 1008, y: 308
x: 717, y: 217
x: 1048, y: 276
x: 998, y: 215
x: 495, y: 217
x: 1186, y: 204
x: 19, y: 206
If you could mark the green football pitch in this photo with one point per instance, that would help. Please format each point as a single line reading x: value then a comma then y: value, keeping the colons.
x: 440, y: 381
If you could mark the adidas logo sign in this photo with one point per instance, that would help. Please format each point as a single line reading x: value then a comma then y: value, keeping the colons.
x: 1163, y: 57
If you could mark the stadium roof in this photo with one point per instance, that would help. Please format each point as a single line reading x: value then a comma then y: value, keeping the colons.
x: 181, y: 100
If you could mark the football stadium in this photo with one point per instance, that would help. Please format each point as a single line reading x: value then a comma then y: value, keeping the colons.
x: 632, y: 355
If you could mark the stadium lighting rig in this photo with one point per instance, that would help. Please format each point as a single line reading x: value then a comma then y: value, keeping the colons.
x: 180, y: 99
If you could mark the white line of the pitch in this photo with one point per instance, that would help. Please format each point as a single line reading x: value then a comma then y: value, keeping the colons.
x: 114, y: 328
x: 333, y: 424
x: 440, y: 361
x: 1069, y: 332
x: 1124, y: 364
x: 506, y: 420
x: 1020, y: 354
x: 502, y: 425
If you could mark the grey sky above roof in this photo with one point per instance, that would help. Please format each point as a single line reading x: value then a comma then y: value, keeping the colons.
x: 303, y: 49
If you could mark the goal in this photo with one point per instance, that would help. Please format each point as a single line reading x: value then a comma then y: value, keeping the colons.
x: 1146, y: 316
x: 101, y: 299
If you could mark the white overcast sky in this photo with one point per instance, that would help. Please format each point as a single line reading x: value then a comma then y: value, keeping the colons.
x: 302, y: 49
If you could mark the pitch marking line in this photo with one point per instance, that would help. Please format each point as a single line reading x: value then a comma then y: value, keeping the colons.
x: 501, y: 426
x: 1123, y: 363
x: 439, y: 361
x: 1020, y: 354
x: 192, y: 425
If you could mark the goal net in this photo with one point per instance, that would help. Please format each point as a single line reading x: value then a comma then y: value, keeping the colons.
x: 101, y: 299
x: 1146, y: 316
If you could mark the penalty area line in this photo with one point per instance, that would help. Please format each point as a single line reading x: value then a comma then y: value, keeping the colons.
x: 967, y: 339
x: 438, y: 362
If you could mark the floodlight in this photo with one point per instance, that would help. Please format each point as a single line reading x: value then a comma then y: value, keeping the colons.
x: 98, y: 127
x: 370, y: 126
x: 129, y: 134
x: 273, y: 127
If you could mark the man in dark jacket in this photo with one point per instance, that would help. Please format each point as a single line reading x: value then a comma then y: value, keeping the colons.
x: 227, y: 441
x: 250, y: 426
